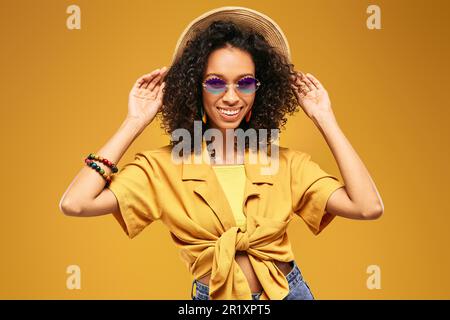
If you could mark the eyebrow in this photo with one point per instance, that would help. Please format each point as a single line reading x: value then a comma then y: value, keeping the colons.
x: 221, y: 75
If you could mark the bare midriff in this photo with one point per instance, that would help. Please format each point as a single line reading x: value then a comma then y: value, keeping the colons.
x: 243, y: 261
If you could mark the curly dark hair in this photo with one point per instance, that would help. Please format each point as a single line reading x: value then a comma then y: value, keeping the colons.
x: 274, y: 99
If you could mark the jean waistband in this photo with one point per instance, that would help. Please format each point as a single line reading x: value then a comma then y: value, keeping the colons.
x: 294, y: 273
x: 292, y: 277
x: 202, y: 288
x: 202, y: 291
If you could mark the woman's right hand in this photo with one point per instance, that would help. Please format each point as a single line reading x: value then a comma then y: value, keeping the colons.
x: 145, y: 98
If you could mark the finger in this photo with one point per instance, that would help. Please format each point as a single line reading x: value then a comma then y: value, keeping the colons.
x: 300, y: 75
x: 163, y: 75
x: 297, y: 85
x: 308, y: 82
x: 154, y: 78
x: 146, y: 78
x: 293, y: 76
x: 300, y: 81
x: 315, y: 81
x: 303, y: 87
x: 295, y: 90
x: 157, y: 79
x: 298, y: 93
x: 151, y: 86
x: 140, y: 82
x: 160, y: 91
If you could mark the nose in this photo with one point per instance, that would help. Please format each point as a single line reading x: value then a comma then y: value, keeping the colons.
x: 231, y: 95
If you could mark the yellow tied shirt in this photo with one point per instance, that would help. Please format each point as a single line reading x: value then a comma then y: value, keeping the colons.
x: 232, y: 181
x: 188, y: 199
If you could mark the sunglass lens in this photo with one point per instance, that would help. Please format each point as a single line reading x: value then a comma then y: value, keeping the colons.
x: 215, y: 86
x: 248, y: 85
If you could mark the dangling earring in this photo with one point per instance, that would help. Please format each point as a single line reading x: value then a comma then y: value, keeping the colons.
x: 248, y: 115
x: 203, y: 115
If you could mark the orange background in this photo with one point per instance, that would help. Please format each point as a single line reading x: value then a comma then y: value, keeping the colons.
x: 65, y: 92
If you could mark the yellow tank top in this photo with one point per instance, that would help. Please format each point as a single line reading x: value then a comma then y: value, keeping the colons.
x: 232, y: 181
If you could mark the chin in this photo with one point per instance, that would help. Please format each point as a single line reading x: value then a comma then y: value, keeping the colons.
x: 228, y: 125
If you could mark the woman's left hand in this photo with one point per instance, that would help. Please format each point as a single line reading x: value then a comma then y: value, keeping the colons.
x: 311, y: 96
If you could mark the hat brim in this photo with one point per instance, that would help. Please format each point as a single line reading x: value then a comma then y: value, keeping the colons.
x: 245, y: 18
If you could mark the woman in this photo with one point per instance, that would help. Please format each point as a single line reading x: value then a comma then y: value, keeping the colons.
x: 227, y: 217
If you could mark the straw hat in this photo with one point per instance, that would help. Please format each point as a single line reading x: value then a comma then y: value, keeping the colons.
x: 243, y: 17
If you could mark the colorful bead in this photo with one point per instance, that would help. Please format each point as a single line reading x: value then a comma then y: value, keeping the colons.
x: 90, y: 161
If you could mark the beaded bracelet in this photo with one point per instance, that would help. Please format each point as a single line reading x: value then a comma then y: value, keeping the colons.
x: 99, y: 169
x: 90, y: 161
x: 93, y: 156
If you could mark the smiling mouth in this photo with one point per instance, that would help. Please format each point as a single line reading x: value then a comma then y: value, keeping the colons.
x: 229, y: 112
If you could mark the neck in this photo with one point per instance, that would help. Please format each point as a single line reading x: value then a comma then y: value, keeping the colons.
x: 225, y: 149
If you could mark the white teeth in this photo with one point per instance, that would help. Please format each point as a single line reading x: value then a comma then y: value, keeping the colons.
x: 228, y: 112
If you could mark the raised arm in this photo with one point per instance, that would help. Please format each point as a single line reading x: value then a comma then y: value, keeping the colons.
x: 86, y: 195
x: 360, y: 198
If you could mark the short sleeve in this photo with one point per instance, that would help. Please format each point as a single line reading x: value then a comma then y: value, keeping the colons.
x: 136, y: 189
x: 311, y: 187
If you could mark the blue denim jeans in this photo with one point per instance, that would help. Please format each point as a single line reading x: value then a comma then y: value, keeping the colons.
x: 298, y: 288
